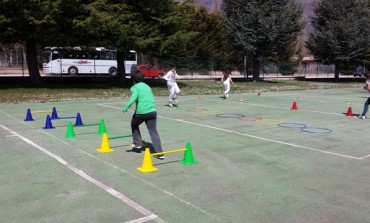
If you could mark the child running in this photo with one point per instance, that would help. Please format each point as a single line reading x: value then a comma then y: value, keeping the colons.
x: 145, y: 111
x: 367, y: 102
x: 226, y: 80
x: 173, y: 88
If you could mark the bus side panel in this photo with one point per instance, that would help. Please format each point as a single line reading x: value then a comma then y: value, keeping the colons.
x: 55, y: 67
x: 102, y: 66
x: 83, y: 66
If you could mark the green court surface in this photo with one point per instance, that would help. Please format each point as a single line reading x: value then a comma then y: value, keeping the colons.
x: 258, y: 161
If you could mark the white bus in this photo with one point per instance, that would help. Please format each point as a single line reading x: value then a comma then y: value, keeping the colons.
x: 75, y: 61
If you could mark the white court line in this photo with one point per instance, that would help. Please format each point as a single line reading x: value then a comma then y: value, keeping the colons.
x: 214, y: 218
x: 148, y: 215
x: 255, y: 137
x: 269, y: 106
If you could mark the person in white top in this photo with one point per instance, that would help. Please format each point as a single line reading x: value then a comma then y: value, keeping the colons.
x: 367, y: 102
x: 172, y: 86
x: 226, y: 80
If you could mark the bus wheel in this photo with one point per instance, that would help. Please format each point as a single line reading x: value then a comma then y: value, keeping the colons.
x: 72, y: 71
x: 113, y: 71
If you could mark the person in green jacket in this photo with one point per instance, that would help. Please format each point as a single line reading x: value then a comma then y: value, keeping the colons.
x: 145, y: 111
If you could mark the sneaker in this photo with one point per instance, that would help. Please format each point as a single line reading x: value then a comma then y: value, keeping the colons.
x: 170, y: 104
x: 362, y: 117
x: 160, y: 157
x: 135, y: 146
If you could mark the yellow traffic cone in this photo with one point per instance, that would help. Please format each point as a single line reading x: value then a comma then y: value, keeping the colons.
x: 147, y: 165
x: 105, y: 147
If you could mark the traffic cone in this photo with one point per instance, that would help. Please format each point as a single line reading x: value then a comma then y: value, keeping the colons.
x: 54, y: 114
x: 294, y: 106
x: 188, y: 156
x: 48, y: 124
x: 147, y: 165
x: 349, y: 112
x: 70, y: 132
x: 105, y: 147
x: 102, y: 128
x: 78, y: 120
x: 29, y: 116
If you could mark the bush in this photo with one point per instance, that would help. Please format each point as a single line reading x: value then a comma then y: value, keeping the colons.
x: 287, y: 68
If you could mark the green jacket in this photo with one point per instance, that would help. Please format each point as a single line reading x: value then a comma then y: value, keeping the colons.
x: 142, y: 95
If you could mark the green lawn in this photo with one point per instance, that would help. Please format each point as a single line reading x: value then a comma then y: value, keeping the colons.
x: 65, y: 92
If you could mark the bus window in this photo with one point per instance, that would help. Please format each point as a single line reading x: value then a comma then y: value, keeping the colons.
x: 62, y: 60
x: 130, y: 56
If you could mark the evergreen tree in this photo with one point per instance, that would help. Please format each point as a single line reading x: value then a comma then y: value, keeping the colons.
x: 24, y: 22
x: 341, y: 32
x: 263, y: 29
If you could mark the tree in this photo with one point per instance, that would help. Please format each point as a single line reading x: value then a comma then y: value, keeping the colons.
x: 21, y: 21
x: 263, y: 29
x: 341, y: 32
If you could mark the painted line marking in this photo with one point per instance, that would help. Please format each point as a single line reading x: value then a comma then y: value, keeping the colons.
x: 87, y: 177
x: 214, y: 217
x: 253, y: 136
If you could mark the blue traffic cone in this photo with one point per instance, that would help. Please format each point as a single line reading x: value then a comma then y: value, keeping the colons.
x: 29, y: 116
x: 54, y: 114
x: 78, y: 120
x: 48, y: 124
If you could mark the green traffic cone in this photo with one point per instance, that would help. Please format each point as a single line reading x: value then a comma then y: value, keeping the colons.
x: 188, y: 156
x: 70, y: 132
x: 102, y: 128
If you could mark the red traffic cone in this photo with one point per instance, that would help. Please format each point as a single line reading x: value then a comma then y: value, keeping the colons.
x: 294, y: 106
x: 349, y: 112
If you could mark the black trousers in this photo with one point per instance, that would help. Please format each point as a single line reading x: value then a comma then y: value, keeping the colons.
x: 150, y: 120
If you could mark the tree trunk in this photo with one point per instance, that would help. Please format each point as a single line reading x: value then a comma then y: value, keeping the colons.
x: 336, y: 71
x: 121, y: 66
x: 33, y: 68
x: 256, y: 69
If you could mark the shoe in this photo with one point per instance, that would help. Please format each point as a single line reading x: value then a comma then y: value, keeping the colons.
x: 135, y: 146
x: 160, y: 157
x: 170, y: 104
x: 362, y: 117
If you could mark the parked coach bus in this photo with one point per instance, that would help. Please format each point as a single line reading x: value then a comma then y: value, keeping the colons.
x: 75, y: 61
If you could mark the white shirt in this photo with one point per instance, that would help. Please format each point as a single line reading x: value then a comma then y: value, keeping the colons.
x: 170, y: 77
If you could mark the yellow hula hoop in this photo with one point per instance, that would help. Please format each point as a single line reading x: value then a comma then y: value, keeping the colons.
x: 212, y: 112
x: 266, y: 121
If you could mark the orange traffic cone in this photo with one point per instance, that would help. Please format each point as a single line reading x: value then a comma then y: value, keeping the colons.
x: 294, y: 106
x: 349, y: 112
x: 147, y: 165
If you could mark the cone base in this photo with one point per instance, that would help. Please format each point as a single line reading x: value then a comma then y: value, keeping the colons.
x: 188, y: 162
x: 69, y: 137
x: 146, y: 170
x: 104, y: 150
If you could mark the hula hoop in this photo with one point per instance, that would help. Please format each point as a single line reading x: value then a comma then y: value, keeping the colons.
x: 229, y: 115
x: 197, y: 110
x: 212, y: 112
x: 267, y: 121
x: 292, y: 125
x: 249, y: 118
x: 317, y: 130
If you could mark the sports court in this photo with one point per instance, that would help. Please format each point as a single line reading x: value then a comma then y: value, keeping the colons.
x: 258, y: 161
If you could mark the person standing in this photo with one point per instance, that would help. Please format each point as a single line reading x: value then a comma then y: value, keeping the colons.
x: 367, y: 102
x: 226, y: 80
x: 145, y: 111
x: 173, y: 88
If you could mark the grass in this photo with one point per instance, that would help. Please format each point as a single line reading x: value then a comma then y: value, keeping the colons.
x: 65, y: 92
